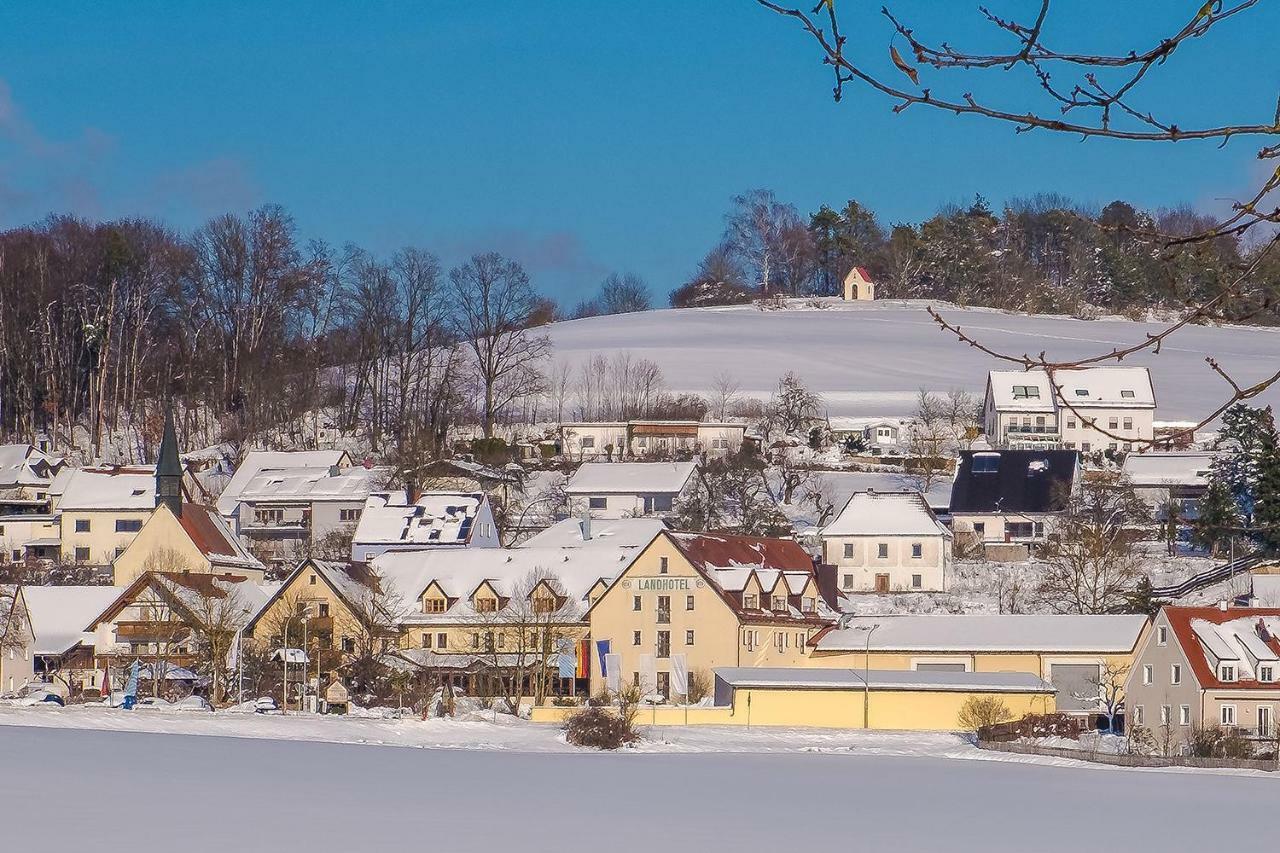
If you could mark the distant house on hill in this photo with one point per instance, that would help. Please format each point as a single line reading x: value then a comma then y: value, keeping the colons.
x: 627, y: 489
x: 858, y: 286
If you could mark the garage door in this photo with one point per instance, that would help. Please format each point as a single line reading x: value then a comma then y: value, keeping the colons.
x: 939, y: 667
x: 1075, y: 680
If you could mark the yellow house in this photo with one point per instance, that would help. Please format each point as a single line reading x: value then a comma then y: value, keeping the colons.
x: 195, y: 540
x: 1071, y: 652
x: 333, y: 598
x: 691, y: 602
x: 858, y: 286
x: 100, y: 510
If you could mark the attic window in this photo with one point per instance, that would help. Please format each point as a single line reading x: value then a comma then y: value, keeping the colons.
x: 139, y: 492
x: 986, y: 464
x: 1026, y: 392
x: 1082, y: 392
x: 1227, y: 672
x: 1127, y: 393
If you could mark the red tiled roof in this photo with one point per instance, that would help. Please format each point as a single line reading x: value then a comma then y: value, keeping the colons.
x: 1180, y: 619
x: 723, y: 551
x: 862, y: 271
x: 205, y: 533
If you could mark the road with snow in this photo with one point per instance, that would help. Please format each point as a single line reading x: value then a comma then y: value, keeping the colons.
x: 871, y: 359
x: 65, y: 789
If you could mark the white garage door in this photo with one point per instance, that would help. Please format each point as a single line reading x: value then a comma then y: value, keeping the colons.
x: 1077, y: 684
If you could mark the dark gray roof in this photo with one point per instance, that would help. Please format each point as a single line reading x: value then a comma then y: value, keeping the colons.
x: 167, y: 462
x: 1023, y: 480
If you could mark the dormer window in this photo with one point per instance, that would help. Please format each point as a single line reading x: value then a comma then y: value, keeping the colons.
x: 986, y: 463
x: 1266, y: 673
x: 486, y: 605
x: 1127, y: 393
x: 750, y: 602
x: 1082, y: 392
x: 779, y: 602
x: 435, y: 605
x: 1226, y: 672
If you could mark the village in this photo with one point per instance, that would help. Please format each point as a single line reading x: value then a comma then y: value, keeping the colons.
x: 956, y: 584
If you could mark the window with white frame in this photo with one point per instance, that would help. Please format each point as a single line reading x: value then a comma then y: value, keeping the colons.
x: 917, y: 581
x: 882, y: 550
x: 1138, y: 715
x: 917, y: 550
x: 1227, y: 672
x: 1227, y: 715
x: 1146, y: 674
x: 1184, y: 715
x: 1162, y: 635
x: 1175, y: 674
x: 1266, y: 673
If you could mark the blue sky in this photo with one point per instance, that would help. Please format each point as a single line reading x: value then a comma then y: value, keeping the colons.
x: 578, y: 137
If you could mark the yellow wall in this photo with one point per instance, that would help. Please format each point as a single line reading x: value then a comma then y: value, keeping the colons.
x: 917, y: 710
x: 102, y: 540
x: 1035, y: 663
x: 308, y: 588
x: 162, y: 535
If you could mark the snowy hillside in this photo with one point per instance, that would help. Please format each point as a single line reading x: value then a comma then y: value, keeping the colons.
x: 870, y: 359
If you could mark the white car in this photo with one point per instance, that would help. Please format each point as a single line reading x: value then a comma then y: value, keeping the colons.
x: 192, y: 703
x: 153, y: 702
x: 264, y: 705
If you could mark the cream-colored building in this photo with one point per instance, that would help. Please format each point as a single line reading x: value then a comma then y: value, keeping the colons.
x: 195, y: 541
x: 627, y: 489
x: 1199, y: 667
x: 888, y: 542
x: 636, y: 439
x: 701, y: 601
x: 1089, y: 409
x: 1071, y: 652
x: 858, y: 286
x: 101, y: 510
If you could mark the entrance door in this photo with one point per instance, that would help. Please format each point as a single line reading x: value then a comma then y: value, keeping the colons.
x: 1264, y: 720
x: 882, y: 583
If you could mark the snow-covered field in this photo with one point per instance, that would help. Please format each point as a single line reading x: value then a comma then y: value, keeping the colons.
x: 113, y: 791
x: 871, y: 359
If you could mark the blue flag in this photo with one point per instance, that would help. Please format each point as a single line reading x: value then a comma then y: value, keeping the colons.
x: 602, y: 648
x: 131, y: 688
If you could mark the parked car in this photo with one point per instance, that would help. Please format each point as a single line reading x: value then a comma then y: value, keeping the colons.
x: 41, y: 697
x: 192, y: 703
x: 264, y: 705
x: 154, y: 702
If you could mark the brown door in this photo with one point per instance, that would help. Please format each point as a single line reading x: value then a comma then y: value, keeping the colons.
x: 882, y: 583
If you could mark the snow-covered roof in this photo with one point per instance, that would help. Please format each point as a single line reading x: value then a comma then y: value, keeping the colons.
x: 289, y: 485
x: 24, y: 465
x: 1032, y: 391
x: 849, y: 424
x: 459, y: 572
x: 629, y: 478
x: 881, y: 679
x: 435, y: 518
x: 256, y: 461
x: 1172, y: 469
x: 106, y: 488
x: 59, y: 614
x: 987, y: 633
x: 873, y: 513
x: 621, y: 532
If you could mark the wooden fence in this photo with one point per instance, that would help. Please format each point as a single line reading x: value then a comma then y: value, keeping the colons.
x: 1127, y: 760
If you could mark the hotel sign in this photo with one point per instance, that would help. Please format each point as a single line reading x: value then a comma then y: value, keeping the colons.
x: 663, y: 583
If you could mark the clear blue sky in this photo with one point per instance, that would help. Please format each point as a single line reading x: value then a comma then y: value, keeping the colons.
x: 580, y: 137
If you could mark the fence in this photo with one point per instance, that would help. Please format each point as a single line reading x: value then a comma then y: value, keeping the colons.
x: 1037, y: 725
x: 1128, y: 760
x: 1208, y: 577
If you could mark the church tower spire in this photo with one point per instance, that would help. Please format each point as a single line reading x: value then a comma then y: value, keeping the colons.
x: 169, y: 468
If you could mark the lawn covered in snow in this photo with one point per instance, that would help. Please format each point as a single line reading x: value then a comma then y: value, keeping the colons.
x: 112, y: 791
x: 871, y: 359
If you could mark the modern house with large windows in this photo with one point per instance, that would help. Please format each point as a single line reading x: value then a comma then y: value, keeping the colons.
x: 1012, y: 496
x: 1091, y: 409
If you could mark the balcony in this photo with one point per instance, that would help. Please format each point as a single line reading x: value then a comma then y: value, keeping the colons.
x: 144, y: 632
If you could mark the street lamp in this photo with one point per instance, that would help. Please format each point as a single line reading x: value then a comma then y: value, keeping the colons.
x: 866, y: 673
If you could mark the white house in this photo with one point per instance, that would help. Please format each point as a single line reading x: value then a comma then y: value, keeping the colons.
x: 858, y: 286
x: 1090, y: 409
x: 25, y: 476
x: 257, y: 461
x: 627, y: 489
x: 1160, y: 478
x: 879, y: 435
x: 435, y: 520
x: 636, y: 439
x: 600, y: 440
x: 888, y: 542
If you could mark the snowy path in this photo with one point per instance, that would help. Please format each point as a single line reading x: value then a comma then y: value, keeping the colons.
x: 70, y: 789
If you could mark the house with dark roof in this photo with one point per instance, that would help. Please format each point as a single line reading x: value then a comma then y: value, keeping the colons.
x: 1199, y: 667
x: 1012, y: 496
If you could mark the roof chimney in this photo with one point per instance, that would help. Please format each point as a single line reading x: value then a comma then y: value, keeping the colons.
x: 1222, y: 605
x: 585, y: 525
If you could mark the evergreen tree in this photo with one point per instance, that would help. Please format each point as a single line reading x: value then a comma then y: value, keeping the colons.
x: 1266, y: 514
x: 1241, y: 440
x: 1219, y: 515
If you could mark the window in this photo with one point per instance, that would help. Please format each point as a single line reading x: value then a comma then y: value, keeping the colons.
x: 1127, y: 393
x: 664, y: 608
x: 1020, y: 530
x: 82, y: 555
x: 1071, y: 423
x: 688, y: 637
x: 1227, y: 672
x: 588, y: 442
x: 1082, y: 392
x: 1266, y: 673
x: 779, y: 603
x: 882, y: 550
x: 980, y: 528
x: 848, y: 550
x: 475, y: 640
x: 635, y: 638
x: 986, y: 463
x: 324, y: 608
x: 442, y: 640
x: 1026, y: 392
x: 311, y: 580
x: 1146, y: 674
x: 917, y: 581
x: 749, y: 602
x: 808, y: 605
x: 635, y: 603
x: 1128, y: 423
x: 486, y: 605
x: 348, y: 645
x: 426, y: 641
x: 82, y: 525
x: 488, y: 641
x: 1165, y: 715
x: 1175, y: 674
x: 435, y: 605
x: 1162, y: 636
x: 268, y: 516
x: 1086, y: 446
x: 1184, y: 715
x: 348, y: 515
x: 1227, y: 713
x: 848, y: 582
x: 119, y: 551
x: 917, y: 550
x: 597, y: 503
x: 1138, y: 715
x: 688, y: 602
x: 664, y: 644
x: 662, y: 565
x: 1113, y: 423
x: 502, y: 639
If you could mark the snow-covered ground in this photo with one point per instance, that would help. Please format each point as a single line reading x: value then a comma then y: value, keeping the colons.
x: 871, y: 359
x: 110, y: 791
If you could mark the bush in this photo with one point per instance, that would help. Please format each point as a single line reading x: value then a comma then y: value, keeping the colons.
x: 978, y: 712
x: 699, y: 686
x: 599, y: 728
x: 1216, y: 742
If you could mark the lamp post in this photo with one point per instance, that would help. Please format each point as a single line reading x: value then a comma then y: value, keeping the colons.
x: 303, y: 699
x: 866, y: 674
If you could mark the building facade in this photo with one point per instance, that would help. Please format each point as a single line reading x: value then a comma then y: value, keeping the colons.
x: 1092, y: 409
x: 888, y: 542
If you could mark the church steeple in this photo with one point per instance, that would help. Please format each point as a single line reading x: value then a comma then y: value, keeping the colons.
x: 169, y: 468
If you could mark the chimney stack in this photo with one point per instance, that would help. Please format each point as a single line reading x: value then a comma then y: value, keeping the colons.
x: 585, y: 525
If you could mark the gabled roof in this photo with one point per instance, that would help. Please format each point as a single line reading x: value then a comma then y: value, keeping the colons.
x: 210, y: 534
x: 24, y: 465
x: 1113, y: 387
x: 1022, y: 481
x: 351, y: 582
x: 873, y: 513
x: 1243, y: 637
x: 434, y: 519
x: 59, y: 614
x: 628, y: 478
x: 620, y: 532
x: 725, y: 551
x: 962, y: 633
x: 182, y: 589
x: 260, y: 460
x: 1190, y: 468
x: 289, y: 485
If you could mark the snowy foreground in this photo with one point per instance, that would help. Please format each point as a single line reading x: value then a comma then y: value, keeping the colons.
x: 76, y: 789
